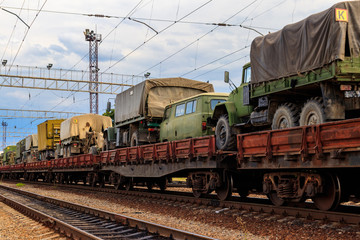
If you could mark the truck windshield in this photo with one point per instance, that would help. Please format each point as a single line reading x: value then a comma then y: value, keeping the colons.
x: 214, y: 102
x: 247, y: 75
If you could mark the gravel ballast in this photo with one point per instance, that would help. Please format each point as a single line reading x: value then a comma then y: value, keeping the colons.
x: 217, y: 223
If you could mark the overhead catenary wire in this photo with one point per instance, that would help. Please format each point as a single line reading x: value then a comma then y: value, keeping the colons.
x: 141, y: 44
x: 218, y: 59
x: 226, y: 64
x: 161, y: 31
x: 26, y: 33
x: 132, y: 11
x: 12, y: 32
x: 201, y: 37
x: 223, y: 24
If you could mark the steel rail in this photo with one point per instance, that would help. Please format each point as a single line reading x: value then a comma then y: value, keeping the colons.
x: 58, y: 225
x: 161, y: 230
x: 264, y: 207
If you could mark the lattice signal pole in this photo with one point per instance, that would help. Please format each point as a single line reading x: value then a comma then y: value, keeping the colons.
x: 4, y: 125
x: 93, y: 39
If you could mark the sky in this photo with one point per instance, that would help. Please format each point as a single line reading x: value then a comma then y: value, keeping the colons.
x: 175, y: 38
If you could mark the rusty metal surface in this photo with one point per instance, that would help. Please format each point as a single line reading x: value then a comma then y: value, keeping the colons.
x: 335, y: 144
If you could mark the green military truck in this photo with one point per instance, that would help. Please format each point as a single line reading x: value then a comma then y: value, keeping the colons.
x: 82, y: 134
x: 139, y: 110
x: 187, y: 118
x: 307, y: 73
x: 20, y: 149
x: 9, y: 155
x: 31, y: 153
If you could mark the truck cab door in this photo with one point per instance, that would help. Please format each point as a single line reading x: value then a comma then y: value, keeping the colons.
x: 164, y: 126
x: 241, y: 95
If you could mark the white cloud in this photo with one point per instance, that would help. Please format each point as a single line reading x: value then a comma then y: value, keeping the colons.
x: 58, y: 39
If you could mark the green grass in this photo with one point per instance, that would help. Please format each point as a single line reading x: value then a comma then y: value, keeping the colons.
x: 20, y: 184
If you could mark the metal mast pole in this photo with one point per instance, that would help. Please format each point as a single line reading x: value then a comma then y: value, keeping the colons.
x: 4, y: 124
x: 93, y: 40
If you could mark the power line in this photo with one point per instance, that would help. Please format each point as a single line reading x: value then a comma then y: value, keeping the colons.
x: 204, y: 35
x: 135, y: 18
x: 218, y: 59
x: 220, y: 66
x: 27, y: 31
x: 129, y: 14
x: 138, y: 47
x: 17, y: 19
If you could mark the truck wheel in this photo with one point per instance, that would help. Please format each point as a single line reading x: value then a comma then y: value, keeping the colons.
x: 286, y: 116
x: 313, y: 112
x: 225, y: 140
x: 134, y: 140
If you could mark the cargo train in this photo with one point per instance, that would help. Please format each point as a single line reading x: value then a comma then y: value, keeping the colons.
x: 253, y: 139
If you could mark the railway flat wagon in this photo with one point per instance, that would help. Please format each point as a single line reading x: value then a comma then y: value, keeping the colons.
x: 321, y: 162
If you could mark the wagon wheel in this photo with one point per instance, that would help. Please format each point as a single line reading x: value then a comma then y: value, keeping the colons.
x: 61, y: 178
x: 129, y: 184
x: 331, y: 196
x: 243, y: 192
x: 197, y: 193
x: 162, y: 183
x: 119, y: 185
x: 150, y: 185
x: 102, y: 181
x: 275, y: 199
x: 57, y: 178
x: 225, y: 190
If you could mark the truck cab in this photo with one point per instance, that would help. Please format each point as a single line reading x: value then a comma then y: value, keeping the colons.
x: 229, y: 116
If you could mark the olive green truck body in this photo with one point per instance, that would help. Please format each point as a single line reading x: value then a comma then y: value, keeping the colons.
x: 306, y: 73
x: 139, y: 110
x: 187, y: 118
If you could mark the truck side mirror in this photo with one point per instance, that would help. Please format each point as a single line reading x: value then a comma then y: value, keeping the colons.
x: 108, y: 106
x: 226, y: 77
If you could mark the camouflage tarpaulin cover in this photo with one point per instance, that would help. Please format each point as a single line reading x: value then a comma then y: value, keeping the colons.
x: 149, y: 98
x: 309, y: 44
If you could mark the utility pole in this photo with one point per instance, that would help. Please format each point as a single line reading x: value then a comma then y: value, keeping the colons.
x: 4, y: 124
x: 93, y: 39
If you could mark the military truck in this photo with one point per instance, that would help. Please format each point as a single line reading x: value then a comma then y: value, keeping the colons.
x: 187, y: 118
x: 83, y: 134
x: 20, y: 149
x: 307, y: 73
x: 139, y: 110
x: 31, y: 153
x: 48, y: 137
x: 9, y: 155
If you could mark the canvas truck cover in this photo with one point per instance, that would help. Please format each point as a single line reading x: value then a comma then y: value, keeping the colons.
x: 31, y: 141
x: 78, y: 126
x: 149, y: 98
x: 309, y: 44
x: 47, y: 131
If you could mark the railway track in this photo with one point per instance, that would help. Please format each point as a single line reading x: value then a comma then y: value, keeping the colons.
x: 80, y: 222
x: 345, y: 214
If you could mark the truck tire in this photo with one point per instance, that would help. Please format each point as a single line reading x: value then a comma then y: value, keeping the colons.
x: 286, y: 116
x: 313, y: 112
x: 224, y: 138
x: 134, y: 140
